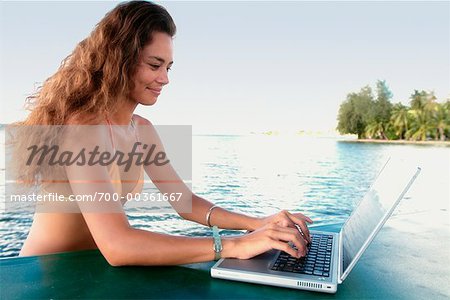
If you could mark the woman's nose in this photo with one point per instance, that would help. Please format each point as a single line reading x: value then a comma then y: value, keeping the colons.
x: 163, y: 77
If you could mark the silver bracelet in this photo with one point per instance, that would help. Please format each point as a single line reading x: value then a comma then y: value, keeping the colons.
x: 208, y: 215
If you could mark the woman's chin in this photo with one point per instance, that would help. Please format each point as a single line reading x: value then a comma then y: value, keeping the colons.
x: 148, y: 102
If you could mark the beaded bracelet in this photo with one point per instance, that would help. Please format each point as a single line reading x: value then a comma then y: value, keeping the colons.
x: 217, y: 243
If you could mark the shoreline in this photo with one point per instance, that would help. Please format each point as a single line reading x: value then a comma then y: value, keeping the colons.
x: 401, y: 142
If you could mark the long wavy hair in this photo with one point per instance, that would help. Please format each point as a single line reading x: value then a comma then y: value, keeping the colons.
x: 98, y: 72
x: 93, y: 79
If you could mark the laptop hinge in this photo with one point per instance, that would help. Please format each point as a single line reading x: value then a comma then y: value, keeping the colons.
x: 340, y: 257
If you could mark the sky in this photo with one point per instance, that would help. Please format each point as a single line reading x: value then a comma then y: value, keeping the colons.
x: 248, y: 66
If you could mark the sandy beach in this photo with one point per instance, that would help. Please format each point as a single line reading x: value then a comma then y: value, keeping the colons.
x: 401, y: 142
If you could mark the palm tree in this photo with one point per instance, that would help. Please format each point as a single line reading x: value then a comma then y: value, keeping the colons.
x: 423, y: 107
x: 447, y: 112
x: 400, y: 120
x: 442, y: 119
x: 376, y: 130
x: 418, y: 100
x: 421, y: 126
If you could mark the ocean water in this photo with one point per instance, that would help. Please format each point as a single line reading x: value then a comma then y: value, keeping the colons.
x: 259, y: 175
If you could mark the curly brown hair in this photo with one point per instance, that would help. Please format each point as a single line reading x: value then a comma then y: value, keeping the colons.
x: 89, y: 84
x: 90, y: 81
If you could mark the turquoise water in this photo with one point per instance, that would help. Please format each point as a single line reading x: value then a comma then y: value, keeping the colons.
x: 260, y: 175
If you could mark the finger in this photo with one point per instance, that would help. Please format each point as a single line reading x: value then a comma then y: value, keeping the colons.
x: 279, y: 245
x: 301, y: 237
x: 302, y: 216
x: 283, y: 219
x: 290, y: 235
x: 286, y: 222
x: 305, y: 233
x: 303, y: 227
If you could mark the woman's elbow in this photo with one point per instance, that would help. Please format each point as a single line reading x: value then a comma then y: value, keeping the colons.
x: 114, y: 258
x: 183, y: 215
x: 114, y: 253
x: 115, y: 262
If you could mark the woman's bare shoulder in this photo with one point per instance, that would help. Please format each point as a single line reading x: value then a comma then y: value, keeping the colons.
x: 141, y: 120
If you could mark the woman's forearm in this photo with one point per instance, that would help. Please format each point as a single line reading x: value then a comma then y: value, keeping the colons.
x: 144, y: 248
x: 219, y: 217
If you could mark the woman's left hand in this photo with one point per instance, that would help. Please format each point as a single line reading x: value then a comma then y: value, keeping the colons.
x: 287, y: 219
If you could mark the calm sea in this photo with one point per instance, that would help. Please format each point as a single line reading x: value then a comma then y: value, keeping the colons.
x: 260, y: 175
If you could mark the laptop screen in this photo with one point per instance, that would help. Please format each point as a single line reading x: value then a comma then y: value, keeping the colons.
x: 377, y: 205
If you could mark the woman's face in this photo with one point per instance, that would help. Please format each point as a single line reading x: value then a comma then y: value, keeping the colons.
x: 152, y: 69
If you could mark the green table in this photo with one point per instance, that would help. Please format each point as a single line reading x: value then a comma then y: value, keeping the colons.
x: 86, y: 274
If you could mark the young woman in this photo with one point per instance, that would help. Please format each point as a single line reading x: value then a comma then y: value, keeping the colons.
x: 122, y: 64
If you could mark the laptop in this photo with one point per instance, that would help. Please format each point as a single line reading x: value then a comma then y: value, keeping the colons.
x: 331, y: 255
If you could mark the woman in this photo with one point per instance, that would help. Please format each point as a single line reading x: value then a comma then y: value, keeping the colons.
x: 122, y: 64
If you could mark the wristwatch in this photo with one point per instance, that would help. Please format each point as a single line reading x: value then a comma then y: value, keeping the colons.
x: 217, y: 243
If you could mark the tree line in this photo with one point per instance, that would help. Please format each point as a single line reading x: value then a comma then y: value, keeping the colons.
x: 376, y: 117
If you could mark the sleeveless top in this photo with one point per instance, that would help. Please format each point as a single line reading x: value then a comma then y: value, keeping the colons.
x: 114, y: 171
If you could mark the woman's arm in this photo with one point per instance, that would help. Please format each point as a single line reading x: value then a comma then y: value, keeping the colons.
x: 220, y: 217
x: 194, y: 208
x: 190, y: 207
x: 123, y: 245
x: 225, y: 219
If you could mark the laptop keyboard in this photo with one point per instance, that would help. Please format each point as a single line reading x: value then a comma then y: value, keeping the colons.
x: 317, y: 262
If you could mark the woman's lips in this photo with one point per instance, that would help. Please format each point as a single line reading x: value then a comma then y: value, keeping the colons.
x: 155, y: 91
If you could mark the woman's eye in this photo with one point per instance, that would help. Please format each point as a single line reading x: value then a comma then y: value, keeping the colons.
x: 154, y: 66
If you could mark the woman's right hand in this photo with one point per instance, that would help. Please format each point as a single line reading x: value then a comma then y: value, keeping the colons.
x: 270, y: 236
